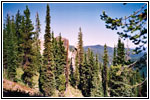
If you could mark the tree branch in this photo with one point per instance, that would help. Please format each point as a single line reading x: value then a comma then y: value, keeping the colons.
x: 139, y: 83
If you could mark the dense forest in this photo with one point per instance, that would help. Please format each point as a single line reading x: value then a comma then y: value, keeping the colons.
x: 54, y: 74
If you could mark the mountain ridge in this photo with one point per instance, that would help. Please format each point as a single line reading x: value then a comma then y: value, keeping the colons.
x: 99, y: 49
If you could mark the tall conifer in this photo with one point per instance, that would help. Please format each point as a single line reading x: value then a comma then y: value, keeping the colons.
x: 76, y: 72
x: 79, y: 57
x: 80, y: 47
x: 12, y: 49
x: 19, y: 35
x: 29, y: 55
x: 114, y: 57
x: 37, y: 43
x: 97, y: 89
x: 60, y: 68
x: 47, y: 77
x: 5, y: 45
x: 120, y: 52
x: 105, y: 71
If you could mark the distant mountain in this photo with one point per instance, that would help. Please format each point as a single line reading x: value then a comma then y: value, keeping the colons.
x: 99, y: 49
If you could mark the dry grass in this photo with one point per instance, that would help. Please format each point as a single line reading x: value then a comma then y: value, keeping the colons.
x: 72, y: 92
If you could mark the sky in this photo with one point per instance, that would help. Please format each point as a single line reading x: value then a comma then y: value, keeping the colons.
x: 66, y: 18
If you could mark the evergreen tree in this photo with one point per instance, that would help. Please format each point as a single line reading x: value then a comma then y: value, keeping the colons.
x: 79, y: 58
x: 105, y: 71
x: 137, y: 89
x: 129, y: 26
x: 144, y: 86
x: 19, y: 35
x: 80, y: 47
x: 47, y: 77
x: 60, y: 68
x: 114, y: 57
x: 72, y: 75
x: 29, y: 55
x: 5, y: 47
x: 91, y: 68
x: 97, y: 89
x: 11, y: 49
x: 87, y: 76
x: 120, y: 84
x: 37, y: 44
x: 84, y: 77
x: 55, y: 52
x: 76, y: 73
x: 120, y: 52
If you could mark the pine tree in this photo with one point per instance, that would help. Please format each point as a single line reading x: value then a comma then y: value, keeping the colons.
x: 37, y: 43
x: 54, y: 50
x: 105, y: 71
x: 19, y: 35
x: 60, y: 68
x: 114, y: 57
x: 79, y: 58
x: 12, y: 49
x: 47, y: 77
x: 87, y: 74
x: 80, y: 47
x: 97, y: 89
x: 29, y: 55
x: 84, y: 77
x: 91, y: 63
x: 5, y: 47
x: 138, y: 79
x: 72, y: 75
x: 144, y: 87
x: 76, y: 72
x: 120, y: 52
x: 120, y: 82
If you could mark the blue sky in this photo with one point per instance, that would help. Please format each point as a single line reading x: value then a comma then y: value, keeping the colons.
x: 68, y: 17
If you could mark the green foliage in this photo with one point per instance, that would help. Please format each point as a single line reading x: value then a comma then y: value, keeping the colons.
x: 47, y: 76
x: 90, y: 77
x: 19, y: 72
x: 105, y: 72
x: 60, y: 63
x: 133, y: 27
x: 123, y: 82
x: 144, y: 89
x: 76, y: 72
x: 79, y: 58
x: 72, y: 75
x: 80, y: 47
x: 5, y: 39
x: 10, y: 48
x: 29, y: 55
x: 61, y: 82
x: 120, y: 53
x: 19, y: 24
x: 47, y: 81
x: 22, y: 59
x: 37, y: 44
x: 97, y: 89
x: 114, y: 57
x: 84, y: 77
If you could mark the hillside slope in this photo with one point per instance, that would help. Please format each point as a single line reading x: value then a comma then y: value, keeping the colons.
x: 13, y: 89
